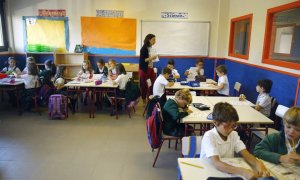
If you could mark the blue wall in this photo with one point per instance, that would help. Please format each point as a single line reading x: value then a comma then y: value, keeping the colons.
x: 284, y: 86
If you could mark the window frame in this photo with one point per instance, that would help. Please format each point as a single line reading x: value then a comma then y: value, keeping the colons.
x: 269, y: 39
x: 232, y: 40
x: 3, y: 28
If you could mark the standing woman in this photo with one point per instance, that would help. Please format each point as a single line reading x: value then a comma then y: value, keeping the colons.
x: 146, y: 66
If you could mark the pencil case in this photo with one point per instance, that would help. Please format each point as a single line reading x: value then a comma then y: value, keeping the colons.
x: 98, y: 82
x: 194, y: 84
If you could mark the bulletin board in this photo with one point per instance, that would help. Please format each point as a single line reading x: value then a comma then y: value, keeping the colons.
x: 46, y: 34
x: 189, y: 38
x: 111, y: 36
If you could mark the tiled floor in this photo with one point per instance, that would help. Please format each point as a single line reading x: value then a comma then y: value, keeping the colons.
x: 35, y: 148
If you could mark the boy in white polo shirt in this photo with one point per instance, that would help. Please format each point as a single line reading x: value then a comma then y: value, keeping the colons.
x: 222, y: 142
x: 223, y: 84
x: 161, y: 81
x: 263, y: 102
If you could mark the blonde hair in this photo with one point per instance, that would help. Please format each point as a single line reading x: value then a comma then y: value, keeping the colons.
x: 292, y: 116
x: 112, y: 61
x: 184, y: 94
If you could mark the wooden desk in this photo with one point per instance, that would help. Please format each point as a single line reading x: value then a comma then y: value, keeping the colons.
x: 194, y: 173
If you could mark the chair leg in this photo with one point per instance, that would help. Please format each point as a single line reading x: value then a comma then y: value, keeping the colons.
x: 157, y: 154
x: 169, y: 143
x: 176, y: 144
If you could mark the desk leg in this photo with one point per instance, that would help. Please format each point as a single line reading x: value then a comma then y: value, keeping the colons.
x: 116, y: 104
x: 16, y: 92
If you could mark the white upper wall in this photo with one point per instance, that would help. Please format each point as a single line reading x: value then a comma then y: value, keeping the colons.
x: 198, y: 10
x: 259, y: 9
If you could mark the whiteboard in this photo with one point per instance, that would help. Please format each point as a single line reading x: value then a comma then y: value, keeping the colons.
x: 178, y: 37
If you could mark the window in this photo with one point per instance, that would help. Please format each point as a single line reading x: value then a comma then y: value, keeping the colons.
x: 3, y: 36
x: 240, y: 33
x: 282, y: 36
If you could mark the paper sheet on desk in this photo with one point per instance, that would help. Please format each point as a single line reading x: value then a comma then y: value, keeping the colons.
x: 97, y: 76
x: 240, y: 103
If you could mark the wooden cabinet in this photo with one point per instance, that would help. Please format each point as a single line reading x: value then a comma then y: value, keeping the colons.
x: 71, y: 61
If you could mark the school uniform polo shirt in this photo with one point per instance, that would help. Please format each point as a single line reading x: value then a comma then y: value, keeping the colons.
x: 264, y: 101
x: 122, y: 80
x: 224, y: 80
x: 159, y: 85
x: 213, y: 145
x: 175, y: 72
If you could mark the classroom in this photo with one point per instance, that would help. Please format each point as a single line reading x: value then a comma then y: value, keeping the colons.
x: 137, y: 89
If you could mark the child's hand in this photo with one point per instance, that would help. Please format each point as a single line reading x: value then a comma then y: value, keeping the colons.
x: 186, y: 73
x: 248, y: 174
x: 291, y: 157
x: 189, y: 111
x: 261, y: 169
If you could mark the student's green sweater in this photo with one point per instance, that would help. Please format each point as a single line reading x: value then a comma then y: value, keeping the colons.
x: 171, y: 116
x: 272, y: 147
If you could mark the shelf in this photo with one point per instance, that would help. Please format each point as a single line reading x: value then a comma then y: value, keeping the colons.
x: 40, y: 53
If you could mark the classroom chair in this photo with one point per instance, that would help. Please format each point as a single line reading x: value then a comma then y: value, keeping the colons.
x: 237, y: 88
x: 190, y: 148
x: 36, y: 97
x: 164, y: 137
x: 262, y: 132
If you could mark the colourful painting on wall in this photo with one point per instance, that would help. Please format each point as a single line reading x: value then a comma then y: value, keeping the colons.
x: 111, y: 36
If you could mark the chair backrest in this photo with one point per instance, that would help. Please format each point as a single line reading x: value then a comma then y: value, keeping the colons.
x: 281, y: 110
x: 237, y: 88
x: 274, y: 105
x: 191, y: 146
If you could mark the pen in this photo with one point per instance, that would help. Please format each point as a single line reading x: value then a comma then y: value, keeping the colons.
x: 192, y: 165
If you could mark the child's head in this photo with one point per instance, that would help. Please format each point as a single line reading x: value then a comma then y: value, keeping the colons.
x: 264, y: 86
x: 86, y: 65
x: 112, y: 63
x: 221, y: 70
x: 183, y: 98
x: 32, y: 68
x: 100, y: 63
x: 120, y: 69
x: 30, y: 59
x: 59, y: 83
x: 291, y: 121
x: 166, y: 72
x: 171, y: 64
x: 12, y: 62
x: 48, y: 64
x: 225, y: 118
x: 199, y: 63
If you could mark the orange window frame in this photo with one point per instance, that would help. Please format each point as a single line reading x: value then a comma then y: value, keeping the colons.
x: 269, y: 39
x: 231, y: 38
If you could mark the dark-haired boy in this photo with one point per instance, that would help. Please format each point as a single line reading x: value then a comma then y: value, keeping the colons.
x: 263, y: 102
x: 161, y: 81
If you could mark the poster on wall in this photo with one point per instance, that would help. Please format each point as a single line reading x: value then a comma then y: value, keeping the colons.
x: 111, y: 36
x: 52, y: 12
x: 45, y: 34
x: 109, y: 13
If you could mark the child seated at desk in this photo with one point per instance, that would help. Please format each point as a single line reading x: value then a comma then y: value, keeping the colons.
x: 222, y: 142
x: 195, y: 71
x: 101, y: 68
x: 263, y: 102
x: 121, y: 79
x: 31, y: 82
x: 223, y: 83
x: 47, y: 74
x: 282, y: 147
x: 174, y: 110
x: 112, y: 72
x: 161, y: 81
x: 11, y: 67
x: 28, y: 60
x: 175, y: 75
x: 86, y: 70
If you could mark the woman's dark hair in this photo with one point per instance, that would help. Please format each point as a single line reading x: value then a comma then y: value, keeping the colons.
x: 225, y: 112
x: 147, y: 39
x: 120, y: 69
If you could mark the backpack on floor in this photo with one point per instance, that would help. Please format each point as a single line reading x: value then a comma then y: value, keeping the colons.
x: 153, y: 129
x: 58, y: 106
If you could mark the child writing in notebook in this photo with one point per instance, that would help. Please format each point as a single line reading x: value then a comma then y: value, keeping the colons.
x: 223, y: 84
x: 222, y: 142
x: 282, y: 147
x: 11, y: 68
x: 263, y: 102
x: 171, y: 65
x: 86, y: 70
x: 195, y: 71
x: 112, y: 72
